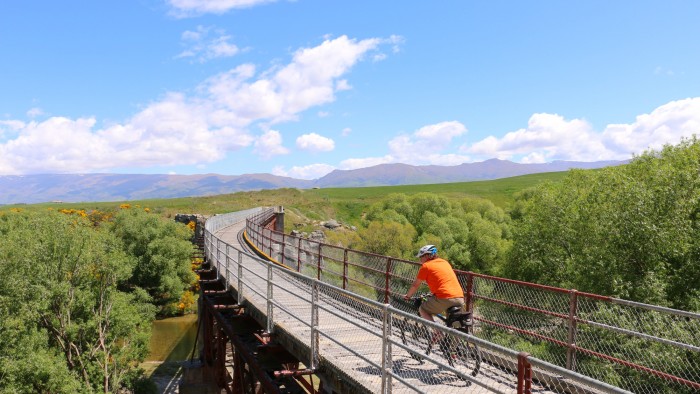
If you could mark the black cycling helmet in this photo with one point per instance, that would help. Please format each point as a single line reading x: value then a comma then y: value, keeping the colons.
x: 427, y: 249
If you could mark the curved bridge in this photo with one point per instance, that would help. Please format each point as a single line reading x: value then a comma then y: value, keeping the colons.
x: 280, y: 311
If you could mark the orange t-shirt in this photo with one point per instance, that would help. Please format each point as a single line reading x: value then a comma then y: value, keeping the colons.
x: 441, y: 279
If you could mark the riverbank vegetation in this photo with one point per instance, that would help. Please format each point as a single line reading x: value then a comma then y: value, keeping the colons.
x: 78, y: 295
x: 631, y: 232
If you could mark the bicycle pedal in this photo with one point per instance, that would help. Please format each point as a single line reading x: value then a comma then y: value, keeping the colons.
x: 417, y: 358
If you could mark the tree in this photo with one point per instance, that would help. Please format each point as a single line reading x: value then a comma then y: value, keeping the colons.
x: 629, y: 231
x: 423, y: 203
x: 86, y: 332
x: 471, y: 233
x: 387, y: 238
x: 396, y: 202
x: 163, y: 251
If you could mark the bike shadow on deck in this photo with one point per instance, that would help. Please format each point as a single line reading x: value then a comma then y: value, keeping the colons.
x: 407, y: 368
x: 411, y: 369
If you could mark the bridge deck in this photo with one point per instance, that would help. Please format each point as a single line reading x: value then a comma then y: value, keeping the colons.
x: 351, y: 325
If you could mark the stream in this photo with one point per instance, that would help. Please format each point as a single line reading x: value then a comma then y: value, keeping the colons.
x: 172, y: 339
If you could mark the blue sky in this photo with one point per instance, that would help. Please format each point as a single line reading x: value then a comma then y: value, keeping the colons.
x: 300, y: 88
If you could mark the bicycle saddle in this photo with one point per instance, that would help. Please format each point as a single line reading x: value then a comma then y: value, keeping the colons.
x: 458, y: 319
x: 451, y: 311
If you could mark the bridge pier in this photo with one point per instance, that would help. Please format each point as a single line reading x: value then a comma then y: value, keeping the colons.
x: 237, y: 352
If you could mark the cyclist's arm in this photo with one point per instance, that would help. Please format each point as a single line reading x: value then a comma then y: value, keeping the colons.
x: 414, y: 287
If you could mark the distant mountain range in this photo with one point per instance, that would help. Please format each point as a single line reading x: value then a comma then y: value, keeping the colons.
x: 119, y: 187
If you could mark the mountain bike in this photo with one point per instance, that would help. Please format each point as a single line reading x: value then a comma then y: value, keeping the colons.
x: 458, y: 352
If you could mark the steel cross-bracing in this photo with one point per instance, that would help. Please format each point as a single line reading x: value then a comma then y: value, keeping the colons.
x: 356, y: 343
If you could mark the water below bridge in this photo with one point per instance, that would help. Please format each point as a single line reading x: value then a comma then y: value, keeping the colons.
x: 172, y: 339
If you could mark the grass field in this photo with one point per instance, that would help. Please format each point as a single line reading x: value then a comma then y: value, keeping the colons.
x: 344, y: 204
x: 499, y: 191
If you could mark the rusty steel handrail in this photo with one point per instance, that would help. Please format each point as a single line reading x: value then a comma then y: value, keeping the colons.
x: 394, y: 285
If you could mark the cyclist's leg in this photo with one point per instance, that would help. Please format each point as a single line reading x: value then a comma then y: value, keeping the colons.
x: 433, y: 306
x: 426, y: 315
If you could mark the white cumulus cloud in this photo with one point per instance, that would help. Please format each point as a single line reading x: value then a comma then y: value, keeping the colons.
x: 181, y: 129
x: 441, y: 134
x: 666, y: 124
x: 281, y: 94
x: 185, y: 8
x: 270, y: 144
x: 549, y: 137
x: 200, y: 47
x: 427, y: 145
x: 35, y: 112
x: 545, y: 138
x: 312, y: 171
x: 315, y: 143
x: 353, y: 163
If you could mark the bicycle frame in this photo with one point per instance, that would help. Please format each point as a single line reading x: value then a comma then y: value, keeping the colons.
x: 464, y: 352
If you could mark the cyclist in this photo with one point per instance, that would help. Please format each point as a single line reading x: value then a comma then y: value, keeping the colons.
x: 442, y: 281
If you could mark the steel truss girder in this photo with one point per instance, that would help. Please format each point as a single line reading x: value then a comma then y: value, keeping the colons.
x: 238, y: 355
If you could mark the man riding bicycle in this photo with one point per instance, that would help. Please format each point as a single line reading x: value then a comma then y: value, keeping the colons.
x: 441, y: 280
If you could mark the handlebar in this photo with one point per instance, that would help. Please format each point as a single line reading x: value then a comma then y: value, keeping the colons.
x: 418, y: 299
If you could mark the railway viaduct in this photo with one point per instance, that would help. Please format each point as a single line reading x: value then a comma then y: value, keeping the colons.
x: 283, y: 314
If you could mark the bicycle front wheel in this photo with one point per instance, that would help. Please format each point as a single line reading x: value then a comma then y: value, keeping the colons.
x: 466, y: 355
x: 416, y: 337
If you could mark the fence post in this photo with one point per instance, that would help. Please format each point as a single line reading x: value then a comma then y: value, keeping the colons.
x: 226, y: 273
x: 218, y: 259
x: 264, y: 238
x: 573, y: 312
x: 269, y: 243
x: 283, y: 247
x: 253, y: 233
x: 345, y: 268
x: 470, y: 288
x: 207, y: 247
x: 524, y: 374
x: 210, y: 249
x: 240, y: 277
x: 387, y: 290
x: 318, y: 269
x: 386, y: 351
x: 299, y: 255
x: 314, y: 356
x: 270, y: 321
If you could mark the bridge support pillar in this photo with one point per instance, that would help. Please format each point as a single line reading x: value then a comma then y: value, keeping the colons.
x: 238, y: 355
x: 279, y: 219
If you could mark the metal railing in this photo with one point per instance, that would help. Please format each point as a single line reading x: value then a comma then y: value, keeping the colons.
x: 342, y: 327
x: 639, y: 347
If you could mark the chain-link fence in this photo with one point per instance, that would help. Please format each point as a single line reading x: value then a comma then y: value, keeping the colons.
x: 638, y: 347
x: 641, y: 348
x: 380, y: 347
